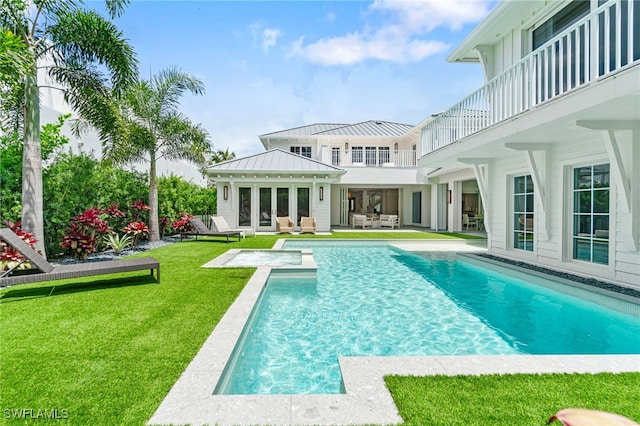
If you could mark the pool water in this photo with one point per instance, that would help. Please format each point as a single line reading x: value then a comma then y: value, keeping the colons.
x: 377, y: 300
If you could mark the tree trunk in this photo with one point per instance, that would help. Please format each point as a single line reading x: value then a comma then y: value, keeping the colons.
x: 32, y: 209
x: 154, y: 231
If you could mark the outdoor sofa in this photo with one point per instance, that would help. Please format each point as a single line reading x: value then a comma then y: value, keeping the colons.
x: 45, y: 271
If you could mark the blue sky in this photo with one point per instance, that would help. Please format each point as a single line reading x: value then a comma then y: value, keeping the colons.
x: 269, y: 66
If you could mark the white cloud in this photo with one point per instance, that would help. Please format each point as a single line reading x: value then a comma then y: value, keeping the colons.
x: 267, y: 37
x: 270, y: 38
x: 399, y: 37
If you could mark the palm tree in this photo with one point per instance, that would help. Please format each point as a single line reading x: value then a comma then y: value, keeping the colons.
x: 69, y: 43
x: 152, y: 128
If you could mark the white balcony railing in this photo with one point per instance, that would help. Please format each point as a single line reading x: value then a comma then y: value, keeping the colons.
x: 602, y: 42
x: 368, y: 157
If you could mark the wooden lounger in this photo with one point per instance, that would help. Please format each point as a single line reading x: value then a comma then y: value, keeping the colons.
x: 49, y: 272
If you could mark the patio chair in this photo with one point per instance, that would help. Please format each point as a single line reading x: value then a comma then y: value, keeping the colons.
x: 284, y: 225
x: 45, y: 271
x: 221, y: 225
x: 361, y: 220
x: 389, y: 220
x: 468, y: 222
x: 201, y: 230
x: 307, y: 225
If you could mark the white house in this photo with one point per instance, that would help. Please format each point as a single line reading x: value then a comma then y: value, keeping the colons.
x: 545, y: 157
x: 552, y: 141
x: 364, y: 168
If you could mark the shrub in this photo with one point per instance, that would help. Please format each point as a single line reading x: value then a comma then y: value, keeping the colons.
x: 136, y: 230
x: 183, y: 224
x: 11, y: 258
x: 117, y: 242
x: 83, y: 235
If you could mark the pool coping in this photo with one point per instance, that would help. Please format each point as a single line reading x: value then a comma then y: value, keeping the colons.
x: 366, y: 399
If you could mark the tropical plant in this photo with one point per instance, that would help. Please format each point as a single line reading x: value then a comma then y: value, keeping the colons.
x: 84, y: 233
x: 183, y: 224
x: 136, y: 230
x: 117, y: 242
x: 74, y: 46
x: 154, y: 128
x: 10, y: 258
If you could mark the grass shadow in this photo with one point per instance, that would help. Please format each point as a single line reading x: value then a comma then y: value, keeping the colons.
x: 17, y: 294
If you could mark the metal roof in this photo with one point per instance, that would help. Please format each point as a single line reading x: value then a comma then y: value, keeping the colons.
x: 275, y: 161
x: 311, y: 129
x: 370, y: 128
x: 365, y: 128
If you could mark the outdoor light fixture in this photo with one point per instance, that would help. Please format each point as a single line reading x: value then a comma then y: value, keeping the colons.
x: 346, y: 147
x: 225, y: 192
x: 321, y: 193
x: 449, y: 196
x: 395, y: 146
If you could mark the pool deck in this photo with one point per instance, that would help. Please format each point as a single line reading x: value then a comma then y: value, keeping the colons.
x: 366, y: 399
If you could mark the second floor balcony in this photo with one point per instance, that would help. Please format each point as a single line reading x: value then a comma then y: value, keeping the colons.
x: 368, y: 156
x: 603, y: 42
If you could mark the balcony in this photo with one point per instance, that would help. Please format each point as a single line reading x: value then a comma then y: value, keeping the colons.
x: 368, y: 156
x: 596, y: 46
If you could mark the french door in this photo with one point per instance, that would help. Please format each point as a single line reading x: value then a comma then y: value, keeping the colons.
x: 273, y: 202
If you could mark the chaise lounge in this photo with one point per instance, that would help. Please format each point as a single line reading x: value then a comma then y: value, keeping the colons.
x: 201, y: 230
x: 221, y: 225
x: 47, y: 272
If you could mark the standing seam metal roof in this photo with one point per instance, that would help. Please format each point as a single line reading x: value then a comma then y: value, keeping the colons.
x: 275, y: 160
x: 365, y: 128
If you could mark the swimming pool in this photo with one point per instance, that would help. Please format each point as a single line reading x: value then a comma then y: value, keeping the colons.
x: 377, y: 300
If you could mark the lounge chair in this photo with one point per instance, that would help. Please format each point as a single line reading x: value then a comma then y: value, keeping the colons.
x: 390, y: 220
x: 45, y: 271
x: 221, y: 225
x: 307, y: 224
x: 361, y: 220
x: 284, y: 225
x: 200, y: 229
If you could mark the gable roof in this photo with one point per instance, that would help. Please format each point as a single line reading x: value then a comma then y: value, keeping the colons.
x: 275, y: 161
x: 365, y: 128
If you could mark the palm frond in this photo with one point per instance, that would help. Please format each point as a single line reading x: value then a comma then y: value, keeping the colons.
x: 81, y: 36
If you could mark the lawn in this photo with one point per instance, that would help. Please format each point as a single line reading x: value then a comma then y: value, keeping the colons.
x: 106, y: 350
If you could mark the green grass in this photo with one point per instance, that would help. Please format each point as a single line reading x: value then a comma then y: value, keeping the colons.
x: 108, y: 349
x: 519, y: 399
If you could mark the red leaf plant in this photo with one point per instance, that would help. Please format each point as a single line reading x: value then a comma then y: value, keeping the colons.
x: 183, y: 224
x: 11, y: 258
x: 84, y: 233
x: 137, y: 230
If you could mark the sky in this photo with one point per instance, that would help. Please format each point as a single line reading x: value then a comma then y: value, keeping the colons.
x: 273, y: 65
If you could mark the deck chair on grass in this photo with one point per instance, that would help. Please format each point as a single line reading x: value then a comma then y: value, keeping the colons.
x: 307, y: 225
x: 284, y: 225
x: 201, y: 230
x: 45, y: 271
x: 221, y: 225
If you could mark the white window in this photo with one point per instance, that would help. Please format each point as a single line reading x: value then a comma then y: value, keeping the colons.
x: 523, y: 214
x: 591, y: 213
x: 305, y: 151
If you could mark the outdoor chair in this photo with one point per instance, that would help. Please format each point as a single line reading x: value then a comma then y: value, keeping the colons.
x: 201, y: 230
x: 389, y: 220
x: 284, y: 225
x: 361, y: 220
x: 221, y: 225
x: 307, y: 225
x: 45, y: 271
x: 468, y: 222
